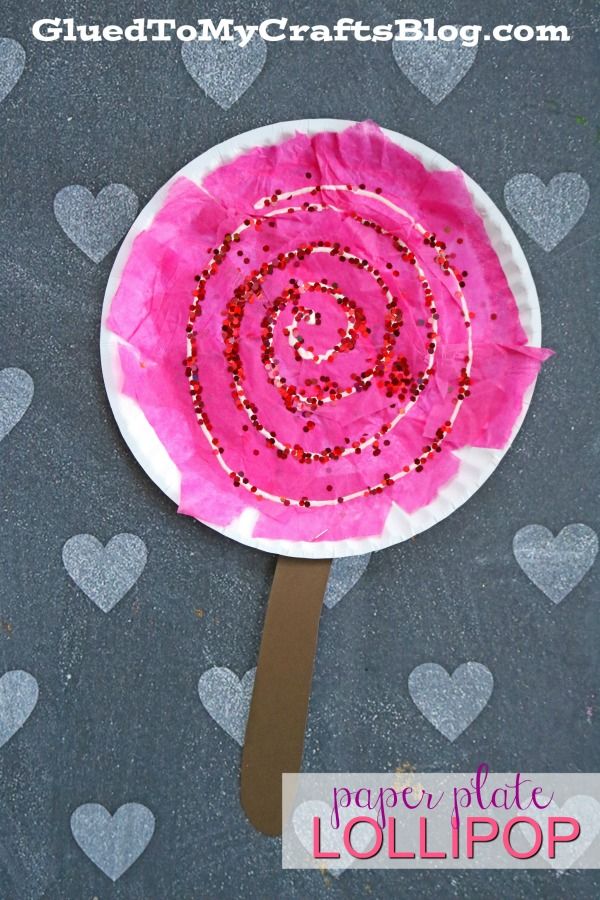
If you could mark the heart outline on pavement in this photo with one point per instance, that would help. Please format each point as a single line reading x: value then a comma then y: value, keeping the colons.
x: 19, y: 694
x: 224, y: 70
x: 451, y: 703
x: 345, y: 572
x: 16, y: 394
x: 435, y: 68
x: 113, y: 842
x: 556, y: 564
x: 96, y: 224
x: 226, y: 698
x: 12, y: 65
x: 547, y: 213
x: 105, y: 574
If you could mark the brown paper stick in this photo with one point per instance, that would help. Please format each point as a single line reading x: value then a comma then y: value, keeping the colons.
x: 275, y: 731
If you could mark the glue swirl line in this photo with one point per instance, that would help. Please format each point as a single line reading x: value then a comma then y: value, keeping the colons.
x: 195, y: 388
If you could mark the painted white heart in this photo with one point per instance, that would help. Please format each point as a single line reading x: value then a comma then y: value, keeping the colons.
x: 344, y: 574
x: 434, y: 67
x: 586, y: 810
x: 12, y: 63
x: 16, y: 393
x: 95, y: 224
x: 302, y: 820
x: 556, y: 565
x: 451, y: 702
x: 226, y: 699
x: 113, y: 843
x: 547, y: 213
x: 18, y: 696
x: 224, y: 70
x: 105, y: 574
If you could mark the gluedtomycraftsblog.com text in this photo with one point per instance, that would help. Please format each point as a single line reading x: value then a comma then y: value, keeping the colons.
x: 280, y: 29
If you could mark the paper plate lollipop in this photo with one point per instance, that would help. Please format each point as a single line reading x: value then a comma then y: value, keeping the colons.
x: 319, y: 338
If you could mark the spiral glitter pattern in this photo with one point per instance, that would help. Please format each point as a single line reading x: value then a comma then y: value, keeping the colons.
x: 387, y: 375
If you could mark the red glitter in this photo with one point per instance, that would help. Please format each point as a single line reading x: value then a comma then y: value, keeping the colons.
x: 388, y: 371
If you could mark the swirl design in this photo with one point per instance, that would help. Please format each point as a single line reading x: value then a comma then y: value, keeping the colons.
x: 307, y: 385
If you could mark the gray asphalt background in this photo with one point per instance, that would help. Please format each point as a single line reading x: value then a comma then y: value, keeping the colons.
x: 119, y: 717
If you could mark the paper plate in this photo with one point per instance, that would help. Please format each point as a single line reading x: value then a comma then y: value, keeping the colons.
x: 476, y: 464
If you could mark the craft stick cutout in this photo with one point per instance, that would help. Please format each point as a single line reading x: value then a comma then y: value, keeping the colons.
x: 278, y: 711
